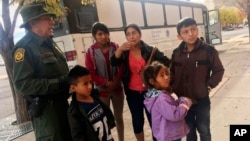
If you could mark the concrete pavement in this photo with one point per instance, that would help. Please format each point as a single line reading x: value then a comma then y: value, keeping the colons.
x: 229, y: 100
x: 230, y: 104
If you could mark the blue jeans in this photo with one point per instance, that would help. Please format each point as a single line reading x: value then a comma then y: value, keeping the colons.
x: 198, y: 117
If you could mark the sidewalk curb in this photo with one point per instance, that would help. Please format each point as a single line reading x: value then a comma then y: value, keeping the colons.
x: 216, y: 89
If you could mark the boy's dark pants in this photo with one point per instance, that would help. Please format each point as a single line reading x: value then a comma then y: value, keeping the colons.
x: 198, y: 117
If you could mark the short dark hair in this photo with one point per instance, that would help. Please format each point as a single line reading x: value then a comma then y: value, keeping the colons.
x: 135, y: 26
x: 76, y: 72
x: 99, y: 26
x: 184, y: 23
x: 150, y: 72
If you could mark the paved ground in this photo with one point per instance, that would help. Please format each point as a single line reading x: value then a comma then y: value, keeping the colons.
x: 230, y: 100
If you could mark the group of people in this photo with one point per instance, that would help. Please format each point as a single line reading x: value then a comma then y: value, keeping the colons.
x: 112, y: 73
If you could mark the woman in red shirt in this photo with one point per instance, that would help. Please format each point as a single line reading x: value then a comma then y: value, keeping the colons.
x: 133, y: 55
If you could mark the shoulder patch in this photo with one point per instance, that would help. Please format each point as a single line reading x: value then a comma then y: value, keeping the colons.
x: 19, y: 55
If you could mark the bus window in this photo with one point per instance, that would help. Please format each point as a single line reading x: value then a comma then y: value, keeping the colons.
x: 186, y: 12
x: 157, y: 19
x: 157, y: 9
x: 57, y: 25
x: 108, y: 11
x: 172, y: 19
x: 213, y: 17
x: 198, y: 15
x: 85, y: 17
x: 131, y: 9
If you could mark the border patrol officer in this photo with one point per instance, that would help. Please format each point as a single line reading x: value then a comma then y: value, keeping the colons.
x: 40, y: 74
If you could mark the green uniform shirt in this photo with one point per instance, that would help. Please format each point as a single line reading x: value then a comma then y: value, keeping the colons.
x: 37, y: 65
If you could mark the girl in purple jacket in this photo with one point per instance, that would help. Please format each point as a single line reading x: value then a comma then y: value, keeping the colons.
x: 168, y: 114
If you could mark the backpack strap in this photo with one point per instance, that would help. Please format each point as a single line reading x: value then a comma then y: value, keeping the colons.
x: 91, y: 51
x: 210, y: 50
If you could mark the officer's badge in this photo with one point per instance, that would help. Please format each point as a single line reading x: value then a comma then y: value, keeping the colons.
x: 19, y: 55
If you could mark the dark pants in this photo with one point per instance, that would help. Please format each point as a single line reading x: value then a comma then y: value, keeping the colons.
x: 135, y: 102
x: 53, y: 124
x: 198, y: 117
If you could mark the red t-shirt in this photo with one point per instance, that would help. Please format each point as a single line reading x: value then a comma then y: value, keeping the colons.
x: 136, y: 65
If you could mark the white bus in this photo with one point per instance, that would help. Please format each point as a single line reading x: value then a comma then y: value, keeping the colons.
x: 157, y: 19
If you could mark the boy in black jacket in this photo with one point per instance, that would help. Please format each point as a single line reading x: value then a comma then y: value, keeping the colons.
x: 89, y: 118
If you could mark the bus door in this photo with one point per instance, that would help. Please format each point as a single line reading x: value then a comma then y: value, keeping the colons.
x: 214, y: 27
x: 86, y: 42
x: 69, y: 54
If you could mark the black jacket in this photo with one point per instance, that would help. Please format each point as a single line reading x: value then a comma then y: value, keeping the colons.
x: 145, y: 53
x: 81, y: 128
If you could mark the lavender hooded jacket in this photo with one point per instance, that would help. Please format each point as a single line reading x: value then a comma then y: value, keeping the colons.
x: 168, y: 118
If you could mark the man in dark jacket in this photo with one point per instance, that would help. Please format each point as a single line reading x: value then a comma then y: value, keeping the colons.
x: 196, y: 69
x: 40, y: 71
